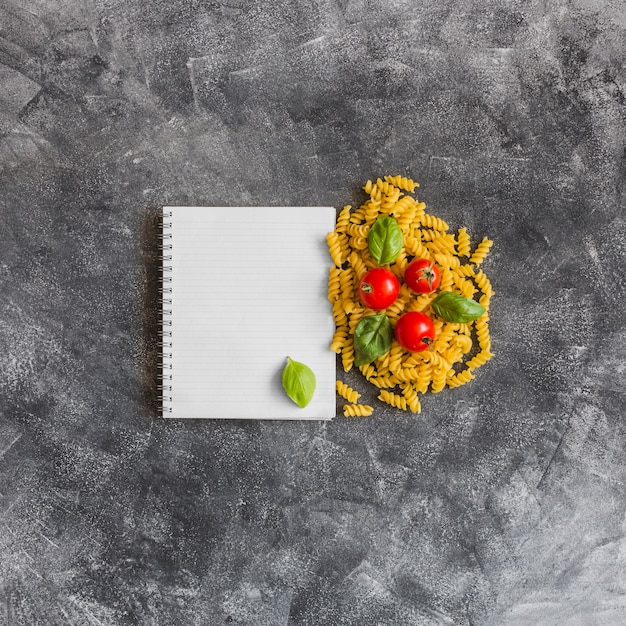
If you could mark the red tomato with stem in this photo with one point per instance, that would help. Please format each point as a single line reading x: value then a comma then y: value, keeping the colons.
x: 422, y: 276
x: 414, y: 331
x: 378, y: 288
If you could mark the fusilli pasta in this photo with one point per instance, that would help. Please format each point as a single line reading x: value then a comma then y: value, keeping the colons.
x: 481, y: 251
x: 459, y: 349
x: 357, y: 410
x: 346, y: 392
x: 393, y: 399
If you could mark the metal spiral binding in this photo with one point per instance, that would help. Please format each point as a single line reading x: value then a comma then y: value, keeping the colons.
x: 165, y: 331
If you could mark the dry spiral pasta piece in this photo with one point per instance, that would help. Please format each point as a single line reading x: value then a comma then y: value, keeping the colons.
x: 346, y: 283
x: 402, y: 182
x: 482, y: 333
x: 481, y: 251
x: 357, y: 264
x: 358, y: 216
x: 432, y: 221
x: 393, y: 399
x: 373, y: 190
x: 358, y: 230
x: 343, y: 219
x: 383, y: 382
x: 447, y: 279
x: 440, y: 376
x: 463, y: 247
x: 412, y: 399
x: 347, y: 356
x: 339, y: 339
x: 395, y: 357
x: 387, y: 189
x: 478, y: 359
x: 358, y: 243
x: 372, y: 208
x: 346, y: 392
x: 339, y: 315
x: 424, y: 377
x: 334, y: 246
x: 483, y: 283
x: 334, y: 284
x: 357, y: 410
x: 405, y: 375
x: 344, y: 243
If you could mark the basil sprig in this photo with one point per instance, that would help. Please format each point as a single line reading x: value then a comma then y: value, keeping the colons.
x: 298, y: 382
x: 384, y: 240
x: 455, y: 308
x: 372, y: 338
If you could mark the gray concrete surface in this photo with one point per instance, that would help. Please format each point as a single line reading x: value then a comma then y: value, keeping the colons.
x: 503, y: 503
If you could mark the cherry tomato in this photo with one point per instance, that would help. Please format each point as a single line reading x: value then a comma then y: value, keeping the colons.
x: 415, y: 331
x: 422, y: 276
x: 378, y: 288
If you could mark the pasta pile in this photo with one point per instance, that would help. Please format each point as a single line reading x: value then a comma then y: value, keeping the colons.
x: 459, y: 348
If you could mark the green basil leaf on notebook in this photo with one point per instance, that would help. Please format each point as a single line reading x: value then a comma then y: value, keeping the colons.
x: 385, y: 240
x: 453, y: 307
x: 298, y: 382
x: 372, y: 338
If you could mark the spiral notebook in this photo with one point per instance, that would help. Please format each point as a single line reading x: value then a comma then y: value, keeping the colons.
x: 243, y: 289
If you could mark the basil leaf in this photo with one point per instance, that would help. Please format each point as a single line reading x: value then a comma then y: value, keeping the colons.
x: 385, y: 240
x: 372, y: 338
x: 299, y: 382
x: 455, y: 308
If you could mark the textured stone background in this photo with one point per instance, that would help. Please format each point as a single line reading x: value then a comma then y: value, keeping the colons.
x: 503, y: 503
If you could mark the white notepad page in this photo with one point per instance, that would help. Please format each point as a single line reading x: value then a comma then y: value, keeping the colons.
x: 249, y: 288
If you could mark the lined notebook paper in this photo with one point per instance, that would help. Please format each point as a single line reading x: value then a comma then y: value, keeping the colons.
x: 244, y: 288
